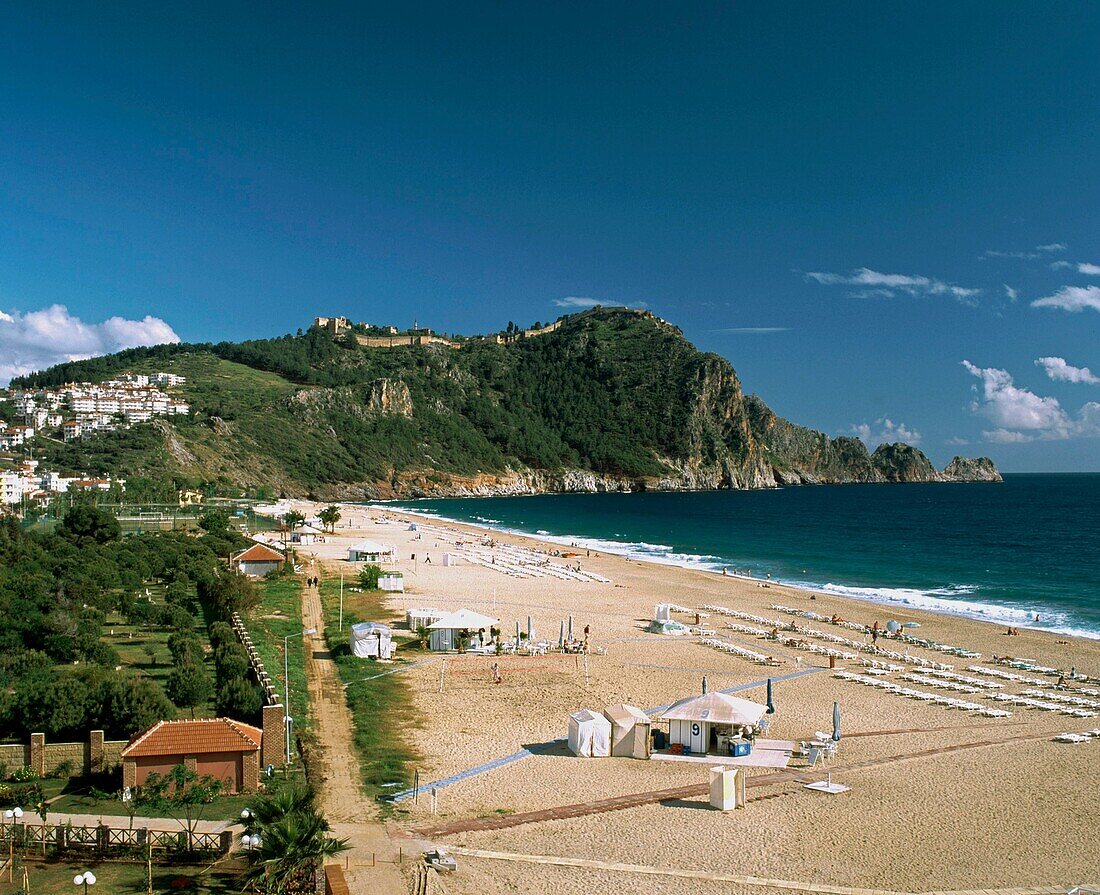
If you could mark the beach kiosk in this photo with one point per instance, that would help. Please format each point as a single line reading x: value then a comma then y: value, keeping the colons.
x: 371, y: 640
x: 306, y: 535
x: 630, y: 728
x: 589, y: 734
x: 697, y: 723
x: 444, y: 632
x: 370, y: 551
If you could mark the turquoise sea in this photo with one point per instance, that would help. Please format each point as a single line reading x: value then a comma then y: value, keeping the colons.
x: 997, y: 552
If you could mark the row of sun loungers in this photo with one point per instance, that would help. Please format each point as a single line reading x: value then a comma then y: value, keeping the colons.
x: 1082, y: 737
x: 1008, y: 676
x: 734, y: 650
x: 1064, y: 697
x: 940, y: 683
x: 1044, y: 704
x: 963, y: 679
x: 864, y: 629
x: 923, y: 695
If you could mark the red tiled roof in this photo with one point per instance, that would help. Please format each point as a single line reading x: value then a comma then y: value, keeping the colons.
x: 194, y: 738
x: 259, y: 553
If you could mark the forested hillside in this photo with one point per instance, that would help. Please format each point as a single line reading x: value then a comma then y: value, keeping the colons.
x: 613, y: 399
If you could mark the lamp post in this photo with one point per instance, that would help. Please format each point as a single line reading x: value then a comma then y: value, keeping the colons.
x: 85, y: 879
x: 286, y: 682
x: 12, y: 816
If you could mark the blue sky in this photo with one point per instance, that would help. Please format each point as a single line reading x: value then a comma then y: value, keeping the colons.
x: 847, y: 202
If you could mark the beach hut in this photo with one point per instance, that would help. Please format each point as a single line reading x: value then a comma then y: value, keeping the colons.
x: 370, y: 551
x: 450, y: 559
x: 422, y: 615
x: 371, y: 640
x: 698, y: 721
x: 663, y: 612
x: 589, y: 734
x: 392, y: 582
x: 630, y: 728
x: 444, y: 631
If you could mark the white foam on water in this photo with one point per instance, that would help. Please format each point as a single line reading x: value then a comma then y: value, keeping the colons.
x: 948, y: 600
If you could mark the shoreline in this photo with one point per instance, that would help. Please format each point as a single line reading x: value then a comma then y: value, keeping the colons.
x: 841, y: 592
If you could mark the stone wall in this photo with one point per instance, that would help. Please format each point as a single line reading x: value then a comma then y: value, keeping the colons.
x: 93, y: 757
x: 273, y: 748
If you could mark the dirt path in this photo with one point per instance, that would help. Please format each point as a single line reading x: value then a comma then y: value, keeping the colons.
x: 371, y: 862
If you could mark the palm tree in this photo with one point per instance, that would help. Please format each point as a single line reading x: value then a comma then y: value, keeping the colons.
x: 290, y: 851
x: 286, y: 800
x: 293, y: 519
x: 329, y: 516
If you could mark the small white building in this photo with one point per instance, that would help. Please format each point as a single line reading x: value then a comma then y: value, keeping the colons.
x: 392, y: 582
x: 371, y: 640
x: 424, y: 615
x: 698, y: 721
x: 445, y: 631
x: 589, y: 734
x: 371, y: 551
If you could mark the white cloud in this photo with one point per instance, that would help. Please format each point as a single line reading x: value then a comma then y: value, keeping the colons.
x: 1089, y: 270
x: 573, y: 301
x: 1071, y: 298
x: 955, y: 441
x: 1020, y: 415
x: 1012, y: 294
x: 1058, y: 370
x: 1029, y: 254
x: 39, y: 339
x: 751, y: 330
x: 886, y: 430
x: 888, y: 285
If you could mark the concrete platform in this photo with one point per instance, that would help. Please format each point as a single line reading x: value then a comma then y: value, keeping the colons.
x: 765, y: 754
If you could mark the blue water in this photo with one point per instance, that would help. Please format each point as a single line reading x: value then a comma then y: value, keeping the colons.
x: 997, y: 552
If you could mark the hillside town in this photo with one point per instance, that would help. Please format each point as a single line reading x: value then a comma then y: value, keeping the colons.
x: 78, y: 409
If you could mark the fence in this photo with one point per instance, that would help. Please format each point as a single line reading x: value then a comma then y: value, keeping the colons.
x: 273, y: 749
x: 92, y: 757
x: 112, y: 842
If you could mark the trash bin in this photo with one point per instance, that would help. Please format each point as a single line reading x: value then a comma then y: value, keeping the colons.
x: 658, y: 739
x: 739, y: 748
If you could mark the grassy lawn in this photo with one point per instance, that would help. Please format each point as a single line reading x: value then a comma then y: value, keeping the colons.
x: 84, y: 795
x: 56, y: 878
x: 132, y: 643
x: 280, y: 615
x: 385, y: 755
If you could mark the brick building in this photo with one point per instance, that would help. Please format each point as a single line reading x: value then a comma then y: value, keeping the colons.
x: 225, y: 749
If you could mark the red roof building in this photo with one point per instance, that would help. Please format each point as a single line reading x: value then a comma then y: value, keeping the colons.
x: 219, y: 747
x: 257, y: 561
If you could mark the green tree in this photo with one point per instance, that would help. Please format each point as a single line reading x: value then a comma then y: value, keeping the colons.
x: 87, y: 523
x: 181, y: 794
x: 214, y: 521
x: 329, y: 516
x: 369, y: 575
x: 293, y: 519
x: 239, y: 699
x: 292, y: 847
x: 189, y: 685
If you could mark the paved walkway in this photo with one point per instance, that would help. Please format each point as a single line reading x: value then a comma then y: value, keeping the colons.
x: 763, y: 882
x: 122, y: 822
x: 634, y: 800
x: 528, y: 751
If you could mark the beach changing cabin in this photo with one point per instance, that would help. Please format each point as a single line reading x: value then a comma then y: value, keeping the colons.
x: 630, y: 728
x: 422, y: 615
x: 392, y: 582
x: 589, y: 734
x: 371, y: 640
x: 698, y: 721
x: 370, y: 551
x: 445, y: 631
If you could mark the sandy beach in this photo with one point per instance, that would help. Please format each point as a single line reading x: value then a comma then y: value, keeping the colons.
x: 940, y: 798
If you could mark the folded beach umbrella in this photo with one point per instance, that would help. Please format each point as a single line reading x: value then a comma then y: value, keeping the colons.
x: 517, y: 633
x: 836, y: 722
x: 771, y: 705
x: 530, y: 629
x: 570, y: 627
x: 561, y: 635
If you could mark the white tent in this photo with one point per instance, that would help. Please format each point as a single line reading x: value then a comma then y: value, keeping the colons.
x: 371, y: 640
x: 589, y: 734
x: 444, y: 630
x: 692, y: 720
x: 422, y: 615
x: 630, y: 728
x: 370, y: 551
x: 663, y: 612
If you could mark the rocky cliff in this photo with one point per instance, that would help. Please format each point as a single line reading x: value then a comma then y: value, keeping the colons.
x: 605, y: 400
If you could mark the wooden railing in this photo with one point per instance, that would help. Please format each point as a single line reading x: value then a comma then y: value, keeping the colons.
x: 112, y: 841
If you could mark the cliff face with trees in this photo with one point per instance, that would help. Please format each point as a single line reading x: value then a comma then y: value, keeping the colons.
x: 609, y: 400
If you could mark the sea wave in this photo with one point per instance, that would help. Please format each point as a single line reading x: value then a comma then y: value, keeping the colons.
x: 947, y: 600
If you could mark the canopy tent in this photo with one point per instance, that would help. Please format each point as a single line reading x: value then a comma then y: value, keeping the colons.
x: 443, y: 631
x: 370, y: 551
x: 693, y: 720
x: 630, y: 728
x: 371, y: 640
x: 589, y: 734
